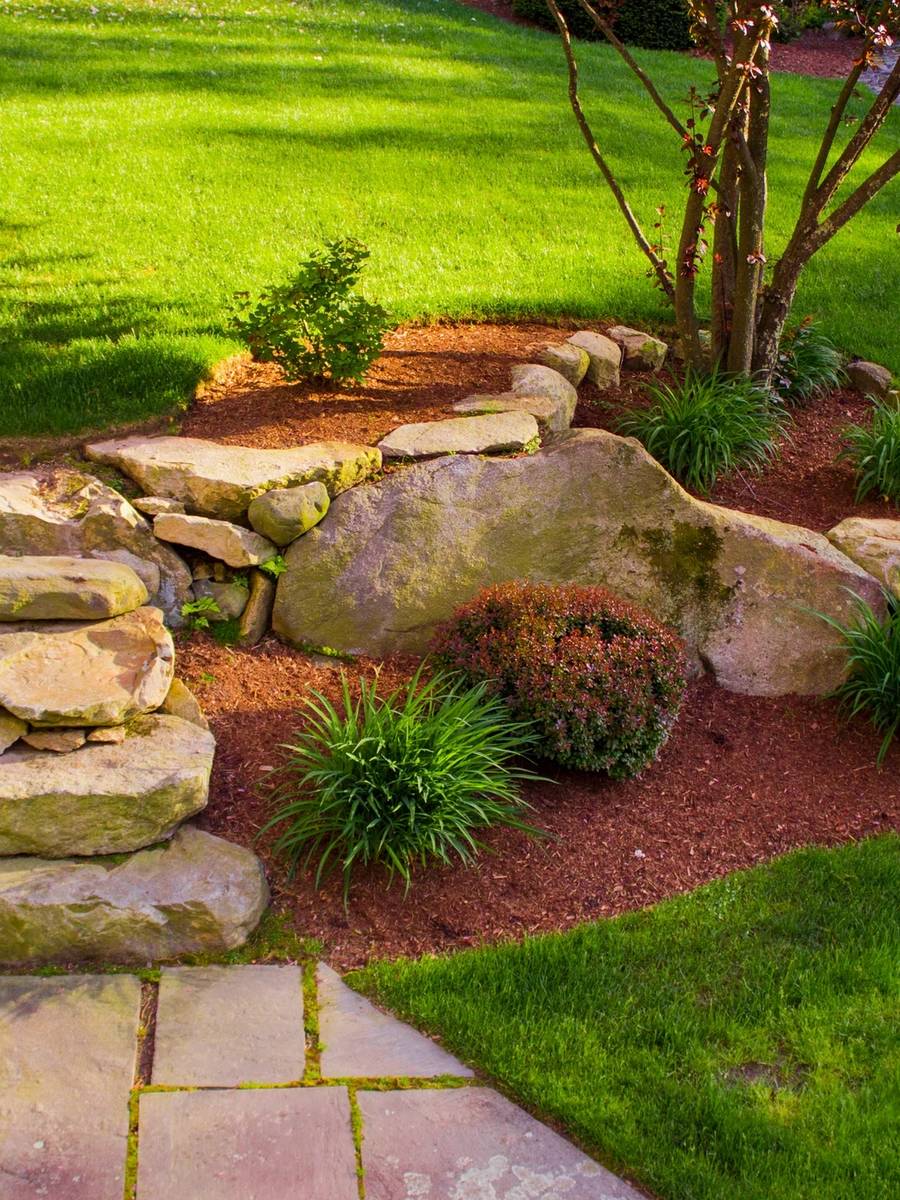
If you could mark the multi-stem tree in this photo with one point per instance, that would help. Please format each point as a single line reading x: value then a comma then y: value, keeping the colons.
x: 725, y: 141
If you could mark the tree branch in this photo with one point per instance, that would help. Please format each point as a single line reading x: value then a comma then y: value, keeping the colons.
x: 834, y: 123
x: 854, y: 202
x: 659, y: 267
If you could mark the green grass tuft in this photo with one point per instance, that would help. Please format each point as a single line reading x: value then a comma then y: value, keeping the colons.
x: 737, y: 1041
x: 874, y: 451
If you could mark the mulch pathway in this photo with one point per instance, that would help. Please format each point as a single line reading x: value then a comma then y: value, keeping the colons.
x: 741, y: 779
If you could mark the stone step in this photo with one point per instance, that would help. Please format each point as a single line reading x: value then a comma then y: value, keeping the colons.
x: 63, y: 588
x: 86, y: 673
x: 105, y: 799
x: 220, y: 481
x: 195, y: 894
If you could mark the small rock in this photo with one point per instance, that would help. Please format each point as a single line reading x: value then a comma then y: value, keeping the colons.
x: 493, y: 434
x: 532, y: 379
x: 874, y: 545
x: 286, y: 513
x: 11, y: 729
x: 551, y: 415
x: 181, y: 702
x: 870, y: 378
x: 62, y: 588
x: 605, y: 356
x: 219, y: 539
x: 203, y: 570
x: 220, y: 481
x: 642, y: 352
x: 570, y: 361
x: 63, y: 673
x: 194, y: 895
x: 108, y: 735
x: 60, y: 741
x: 230, y: 598
x: 152, y: 506
x: 257, y: 616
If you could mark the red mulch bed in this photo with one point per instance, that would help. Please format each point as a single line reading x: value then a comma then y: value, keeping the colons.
x: 741, y: 779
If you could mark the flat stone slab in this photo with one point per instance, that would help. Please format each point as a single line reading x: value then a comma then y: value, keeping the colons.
x: 225, y: 1026
x: 232, y: 544
x: 86, y: 673
x: 494, y: 433
x: 57, y: 512
x: 553, y: 415
x: 471, y: 1142
x: 67, y: 1059
x: 361, y: 1041
x: 874, y: 545
x: 105, y: 798
x: 283, y: 1144
x: 220, y: 481
x: 63, y: 588
x: 196, y: 894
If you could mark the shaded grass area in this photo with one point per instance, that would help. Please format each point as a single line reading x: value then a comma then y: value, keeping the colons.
x: 159, y: 155
x: 740, y: 1040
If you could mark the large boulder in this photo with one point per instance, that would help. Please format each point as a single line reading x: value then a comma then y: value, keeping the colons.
x: 223, y: 540
x: 220, y: 481
x: 62, y: 512
x: 196, y: 894
x: 397, y: 557
x: 62, y: 588
x: 86, y: 673
x: 874, y: 544
x: 104, y: 799
x: 494, y: 433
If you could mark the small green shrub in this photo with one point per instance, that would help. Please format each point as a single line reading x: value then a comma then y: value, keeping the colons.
x: 197, y: 613
x: 399, y: 779
x: 707, y: 426
x: 809, y: 363
x: 874, y: 451
x: 315, y: 326
x: 601, y: 681
x: 656, y: 24
x: 274, y: 566
x: 872, y: 686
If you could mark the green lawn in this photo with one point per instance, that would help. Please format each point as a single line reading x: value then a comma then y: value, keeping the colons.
x: 158, y: 155
x: 740, y: 1041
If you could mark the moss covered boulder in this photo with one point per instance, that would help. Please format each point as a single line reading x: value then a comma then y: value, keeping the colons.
x: 63, y: 588
x: 105, y: 798
x: 196, y: 894
x: 396, y: 557
x: 220, y: 481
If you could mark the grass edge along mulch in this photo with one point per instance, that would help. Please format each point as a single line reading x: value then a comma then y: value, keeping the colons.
x: 739, y: 1040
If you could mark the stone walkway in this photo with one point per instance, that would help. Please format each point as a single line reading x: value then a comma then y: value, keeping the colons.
x: 211, y: 1087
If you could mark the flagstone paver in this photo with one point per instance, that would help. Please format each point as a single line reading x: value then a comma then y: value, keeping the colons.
x: 253, y: 1144
x: 67, y: 1058
x: 471, y: 1142
x: 361, y: 1041
x: 223, y: 1026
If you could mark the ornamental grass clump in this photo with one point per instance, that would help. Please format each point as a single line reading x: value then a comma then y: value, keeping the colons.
x: 399, y: 779
x: 874, y: 451
x: 872, y: 686
x: 706, y: 426
x: 809, y: 364
x: 601, y: 680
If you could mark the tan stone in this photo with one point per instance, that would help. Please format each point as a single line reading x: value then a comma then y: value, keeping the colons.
x: 11, y: 729
x: 605, y: 356
x: 152, y: 506
x: 551, y: 415
x: 62, y: 588
x: 61, y: 512
x: 86, y: 673
x: 532, y: 379
x: 869, y: 378
x: 641, y: 351
x: 181, y: 702
x: 220, y: 481
x: 570, y: 361
x: 196, y: 894
x: 110, y: 735
x: 872, y: 543
x: 234, y: 545
x: 284, y: 514
x: 257, y: 616
x: 494, y: 433
x: 59, y: 741
x: 103, y: 798
x: 395, y: 558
